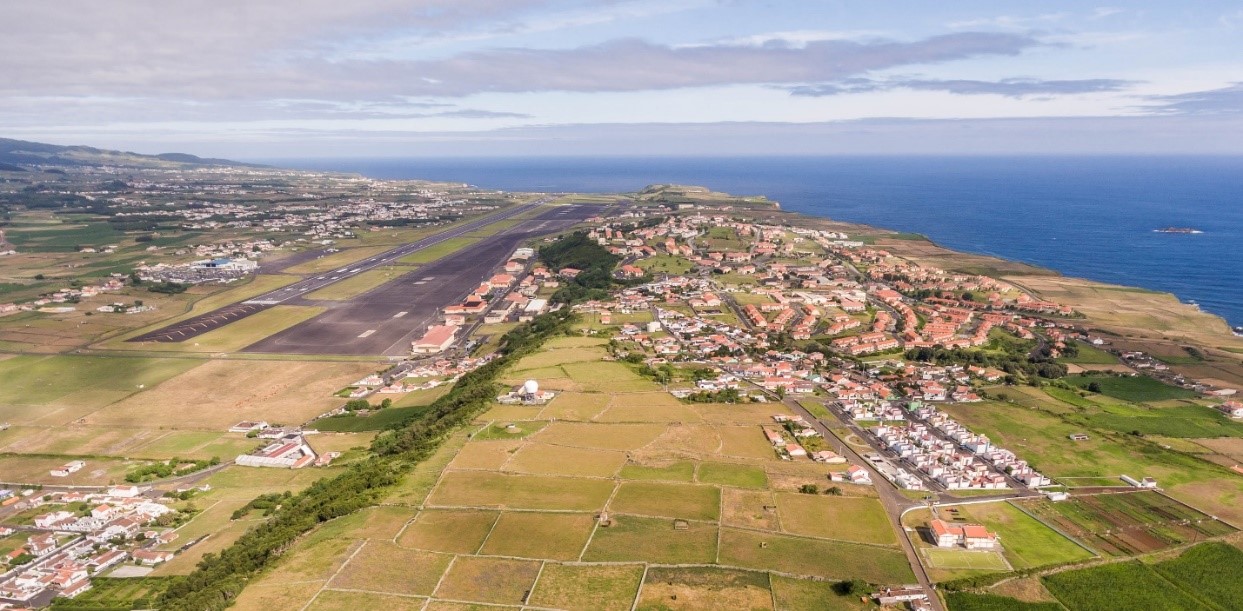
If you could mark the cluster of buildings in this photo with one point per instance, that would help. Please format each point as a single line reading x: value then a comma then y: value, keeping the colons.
x: 67, y: 548
x: 63, y: 300
x: 220, y: 269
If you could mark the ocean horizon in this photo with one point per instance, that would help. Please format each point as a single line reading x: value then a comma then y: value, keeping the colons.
x: 1085, y: 216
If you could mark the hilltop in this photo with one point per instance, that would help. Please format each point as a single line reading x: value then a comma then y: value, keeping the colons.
x: 19, y: 155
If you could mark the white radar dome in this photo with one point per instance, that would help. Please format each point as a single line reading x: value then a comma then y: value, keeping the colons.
x: 531, y: 387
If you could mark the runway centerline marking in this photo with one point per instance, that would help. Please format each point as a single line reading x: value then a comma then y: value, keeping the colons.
x: 400, y: 314
x: 366, y: 333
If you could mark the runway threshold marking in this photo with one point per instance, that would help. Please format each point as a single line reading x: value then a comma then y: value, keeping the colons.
x: 366, y: 333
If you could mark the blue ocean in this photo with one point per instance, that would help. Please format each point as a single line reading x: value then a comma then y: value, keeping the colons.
x: 1091, y: 217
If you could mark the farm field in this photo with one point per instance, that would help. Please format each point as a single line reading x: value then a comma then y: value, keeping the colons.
x: 1025, y: 541
x: 1124, y: 585
x: 1136, y: 389
x: 1042, y: 439
x: 1128, y: 524
x: 54, y: 390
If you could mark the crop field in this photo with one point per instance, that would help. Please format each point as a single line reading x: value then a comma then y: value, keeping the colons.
x: 333, y: 600
x: 654, y: 540
x: 813, y: 557
x: 1130, y: 523
x: 1090, y: 355
x: 1210, y: 570
x: 482, y: 489
x: 704, y: 588
x: 739, y: 476
x: 1136, y: 389
x: 1124, y: 585
x: 551, y: 536
x: 857, y: 519
x: 682, y: 471
x: 684, y: 501
x: 970, y: 601
x: 587, y: 587
x: 547, y: 459
x: 453, y: 532
x: 608, y: 377
x: 381, y: 566
x: 276, y: 391
x: 575, y: 406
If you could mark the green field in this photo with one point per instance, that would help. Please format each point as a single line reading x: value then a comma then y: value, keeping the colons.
x: 58, y: 389
x: 675, y: 472
x: 635, y: 539
x: 1136, y: 389
x: 1089, y: 355
x: 1026, y: 542
x: 1124, y: 585
x: 970, y: 601
x: 587, y: 588
x: 816, y: 557
x: 666, y: 264
x: 376, y: 421
x: 739, y: 476
x: 964, y: 559
x: 1209, y: 571
x: 664, y: 499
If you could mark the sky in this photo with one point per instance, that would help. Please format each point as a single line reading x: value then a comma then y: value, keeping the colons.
x: 395, y: 78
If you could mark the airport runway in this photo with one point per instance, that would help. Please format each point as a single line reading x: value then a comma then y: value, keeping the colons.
x: 198, y: 325
x: 386, y: 319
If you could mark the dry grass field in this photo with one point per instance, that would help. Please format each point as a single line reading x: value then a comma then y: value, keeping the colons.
x: 550, y: 536
x: 276, y: 391
x: 454, y: 532
x: 587, y: 587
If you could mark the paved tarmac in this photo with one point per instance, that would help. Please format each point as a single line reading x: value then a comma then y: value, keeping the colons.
x: 384, y: 320
x: 198, y: 325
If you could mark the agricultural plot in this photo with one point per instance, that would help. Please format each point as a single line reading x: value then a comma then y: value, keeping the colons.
x: 332, y: 600
x: 1136, y: 389
x: 1209, y: 571
x: 608, y: 377
x: 381, y: 566
x: 551, y: 536
x: 793, y: 594
x: 489, y: 455
x: 587, y: 588
x: 483, y: 489
x: 559, y: 460
x: 655, y: 540
x: 704, y: 588
x: 684, y: 501
x: 1128, y: 524
x: 738, y: 476
x: 575, y: 406
x: 489, y: 580
x: 754, y: 509
x: 682, y: 471
x: 970, y: 601
x: 1026, y: 542
x: 454, y: 532
x: 1124, y: 585
x: 601, y: 436
x: 857, y: 519
x: 813, y: 557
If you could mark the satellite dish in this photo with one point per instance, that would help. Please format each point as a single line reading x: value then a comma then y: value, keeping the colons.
x: 531, y: 387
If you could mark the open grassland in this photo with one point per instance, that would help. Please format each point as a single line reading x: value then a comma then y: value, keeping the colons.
x: 794, y: 594
x: 482, y: 489
x: 561, y: 356
x: 371, y: 421
x: 755, y: 509
x: 454, y: 532
x: 1123, y: 585
x: 655, y: 540
x: 125, y: 442
x: 685, y: 501
x: 1089, y: 355
x: 551, y: 536
x: 1042, y: 439
x: 703, y: 588
x: 559, y: 460
x: 489, y: 580
x: 35, y: 470
x: 587, y: 587
x: 814, y: 557
x: 490, y: 455
x: 1128, y: 524
x: 61, y: 389
x: 276, y: 391
x: 666, y: 264
x: 608, y: 377
x: 266, y: 596
x: 857, y: 519
x: 356, y: 285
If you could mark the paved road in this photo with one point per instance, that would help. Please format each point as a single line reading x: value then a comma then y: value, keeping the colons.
x: 198, y: 325
x: 385, y: 320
